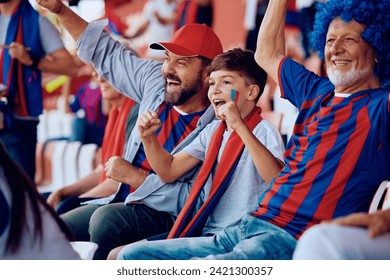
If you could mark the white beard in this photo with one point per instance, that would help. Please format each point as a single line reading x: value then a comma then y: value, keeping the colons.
x: 339, y: 79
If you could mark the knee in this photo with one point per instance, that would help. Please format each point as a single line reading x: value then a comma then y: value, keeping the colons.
x: 317, y: 242
x: 113, y: 255
x: 130, y: 252
x: 100, y: 220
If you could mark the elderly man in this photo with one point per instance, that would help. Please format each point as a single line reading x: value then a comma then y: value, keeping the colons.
x: 177, y: 90
x: 336, y: 156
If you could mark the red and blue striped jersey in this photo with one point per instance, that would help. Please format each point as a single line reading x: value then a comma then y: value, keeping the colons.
x: 174, y: 128
x: 90, y: 100
x: 337, y: 155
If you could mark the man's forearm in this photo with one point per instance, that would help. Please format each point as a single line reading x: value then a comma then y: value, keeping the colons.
x: 137, y: 178
x: 159, y: 159
x: 72, y: 22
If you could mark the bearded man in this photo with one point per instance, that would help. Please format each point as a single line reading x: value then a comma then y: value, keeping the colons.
x: 177, y: 90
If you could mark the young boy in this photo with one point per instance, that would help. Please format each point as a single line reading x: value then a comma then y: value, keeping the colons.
x: 241, y: 154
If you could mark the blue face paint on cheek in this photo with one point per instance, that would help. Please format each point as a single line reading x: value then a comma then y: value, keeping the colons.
x: 234, y: 95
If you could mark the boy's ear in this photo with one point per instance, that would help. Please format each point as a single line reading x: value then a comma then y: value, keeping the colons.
x: 254, y: 91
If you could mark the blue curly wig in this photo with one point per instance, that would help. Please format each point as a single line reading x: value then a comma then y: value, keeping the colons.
x: 372, y: 14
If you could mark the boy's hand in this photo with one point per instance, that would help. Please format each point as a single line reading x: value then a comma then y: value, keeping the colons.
x: 148, y: 124
x: 230, y: 114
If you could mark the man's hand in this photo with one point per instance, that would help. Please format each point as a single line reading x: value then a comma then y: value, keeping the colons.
x: 55, y: 198
x: 116, y: 168
x: 377, y: 223
x: 54, y: 6
x: 120, y: 170
x: 19, y: 52
x: 148, y: 124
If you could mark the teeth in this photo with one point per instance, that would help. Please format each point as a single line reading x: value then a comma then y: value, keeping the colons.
x: 341, y: 62
x: 218, y: 102
x: 172, y: 81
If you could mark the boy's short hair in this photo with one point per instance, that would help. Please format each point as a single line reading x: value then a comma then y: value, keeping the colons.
x: 243, y: 62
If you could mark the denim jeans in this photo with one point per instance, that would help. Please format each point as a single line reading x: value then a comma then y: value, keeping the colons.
x: 252, y: 239
x: 20, y: 142
x: 116, y: 224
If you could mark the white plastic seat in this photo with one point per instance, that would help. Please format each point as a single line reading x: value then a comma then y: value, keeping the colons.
x: 86, y: 159
x: 381, y: 200
x: 71, y: 166
x: 57, y: 166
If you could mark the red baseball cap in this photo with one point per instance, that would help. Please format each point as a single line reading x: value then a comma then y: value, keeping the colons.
x: 192, y: 40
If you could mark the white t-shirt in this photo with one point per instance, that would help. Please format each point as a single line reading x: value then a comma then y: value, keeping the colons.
x: 246, y: 184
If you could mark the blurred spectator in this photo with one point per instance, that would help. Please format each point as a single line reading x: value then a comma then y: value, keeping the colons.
x: 29, y: 44
x: 194, y: 11
x: 121, y: 120
x: 159, y: 19
x: 254, y: 13
x: 29, y: 228
x: 307, y: 13
x: 90, y: 121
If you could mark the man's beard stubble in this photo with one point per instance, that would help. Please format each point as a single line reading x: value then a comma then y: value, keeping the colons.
x: 188, y: 91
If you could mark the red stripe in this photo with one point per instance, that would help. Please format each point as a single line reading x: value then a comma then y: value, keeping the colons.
x: 229, y: 157
x: 164, y: 134
x: 204, y: 173
x: 20, y: 100
x: 189, y: 128
x: 300, y: 190
x: 169, y: 123
x: 303, y: 142
x: 388, y: 106
x: 355, y: 143
x: 114, y: 134
x: 1, y: 65
x: 231, y: 152
x: 279, y: 77
x: 342, y: 175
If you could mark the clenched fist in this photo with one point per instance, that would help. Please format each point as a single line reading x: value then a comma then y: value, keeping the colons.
x: 148, y: 124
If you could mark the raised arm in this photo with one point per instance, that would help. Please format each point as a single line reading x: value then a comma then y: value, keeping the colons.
x: 271, y: 42
x: 73, y: 23
x: 166, y: 166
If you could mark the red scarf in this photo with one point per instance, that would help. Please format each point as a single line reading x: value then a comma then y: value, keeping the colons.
x: 185, y: 225
x: 114, y: 133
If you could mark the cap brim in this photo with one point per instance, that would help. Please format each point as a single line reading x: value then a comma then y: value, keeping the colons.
x: 173, y: 48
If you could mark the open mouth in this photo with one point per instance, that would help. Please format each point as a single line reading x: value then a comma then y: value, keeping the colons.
x: 218, y: 103
x: 341, y: 62
x: 172, y: 80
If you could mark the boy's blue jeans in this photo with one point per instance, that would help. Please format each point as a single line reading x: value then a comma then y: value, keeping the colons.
x: 252, y: 239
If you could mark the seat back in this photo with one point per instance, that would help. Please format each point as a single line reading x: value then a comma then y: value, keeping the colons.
x: 381, y: 200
